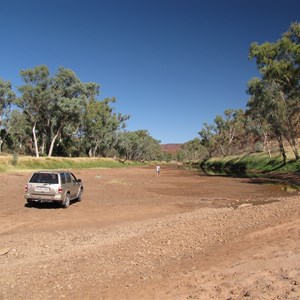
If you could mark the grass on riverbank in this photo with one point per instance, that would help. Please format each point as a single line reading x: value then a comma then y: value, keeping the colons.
x: 22, y: 163
x: 258, y: 163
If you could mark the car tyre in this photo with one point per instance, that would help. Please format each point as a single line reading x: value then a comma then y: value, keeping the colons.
x: 66, y: 202
x: 29, y: 203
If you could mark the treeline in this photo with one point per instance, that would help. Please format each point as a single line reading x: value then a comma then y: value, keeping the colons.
x: 62, y: 116
x: 271, y: 120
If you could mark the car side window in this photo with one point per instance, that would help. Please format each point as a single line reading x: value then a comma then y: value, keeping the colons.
x: 68, y: 178
x: 62, y: 178
x: 73, y: 178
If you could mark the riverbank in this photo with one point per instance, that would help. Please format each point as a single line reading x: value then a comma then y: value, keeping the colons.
x: 251, y: 165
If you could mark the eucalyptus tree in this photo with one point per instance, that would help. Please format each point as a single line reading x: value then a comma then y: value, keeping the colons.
x: 7, y: 96
x: 35, y: 99
x: 193, y: 150
x: 101, y: 126
x: 208, y: 138
x: 267, y: 115
x: 19, y: 131
x: 259, y: 131
x: 279, y: 65
x: 69, y: 97
x: 139, y: 146
x: 53, y: 104
x: 229, y: 129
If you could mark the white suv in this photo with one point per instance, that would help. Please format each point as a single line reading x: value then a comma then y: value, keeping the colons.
x: 53, y: 186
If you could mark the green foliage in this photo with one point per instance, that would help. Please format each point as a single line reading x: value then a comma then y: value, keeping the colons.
x: 226, y: 134
x: 19, y: 131
x: 7, y: 96
x: 101, y: 126
x: 272, y: 109
x: 245, y: 165
x: 192, y: 150
x: 139, y: 146
x: 229, y: 130
x: 275, y: 97
x: 53, y: 106
x: 61, y: 115
x: 208, y: 138
x: 34, y: 101
x: 69, y: 97
x: 258, y: 147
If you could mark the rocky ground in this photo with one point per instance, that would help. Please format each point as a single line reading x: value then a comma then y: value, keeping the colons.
x: 137, y: 236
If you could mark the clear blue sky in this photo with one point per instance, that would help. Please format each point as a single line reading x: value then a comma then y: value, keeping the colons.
x: 171, y: 64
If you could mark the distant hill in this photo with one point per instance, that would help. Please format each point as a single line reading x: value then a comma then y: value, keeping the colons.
x: 170, y: 148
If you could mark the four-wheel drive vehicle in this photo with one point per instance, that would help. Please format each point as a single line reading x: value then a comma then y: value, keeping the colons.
x: 53, y: 186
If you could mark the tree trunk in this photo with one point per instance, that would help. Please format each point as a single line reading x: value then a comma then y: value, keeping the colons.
x: 222, y: 150
x: 52, y: 145
x: 282, y: 150
x: 54, y: 139
x: 293, y: 144
x: 36, y: 149
x: 95, y: 150
x: 43, y: 145
x: 291, y: 132
x: 267, y: 144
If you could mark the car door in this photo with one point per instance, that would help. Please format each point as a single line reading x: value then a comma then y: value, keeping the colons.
x: 69, y: 184
x: 74, y: 185
x: 77, y: 185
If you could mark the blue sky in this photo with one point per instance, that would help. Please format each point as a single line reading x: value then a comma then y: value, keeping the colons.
x: 171, y: 64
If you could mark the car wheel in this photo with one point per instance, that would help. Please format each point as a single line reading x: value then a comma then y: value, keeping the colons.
x: 66, y: 202
x: 29, y: 203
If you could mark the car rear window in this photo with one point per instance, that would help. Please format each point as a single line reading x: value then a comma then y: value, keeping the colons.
x: 44, y: 178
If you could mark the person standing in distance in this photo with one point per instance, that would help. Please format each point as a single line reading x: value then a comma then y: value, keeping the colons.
x: 157, y: 170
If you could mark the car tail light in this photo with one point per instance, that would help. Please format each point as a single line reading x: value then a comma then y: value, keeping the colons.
x: 26, y: 188
x: 60, y: 190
